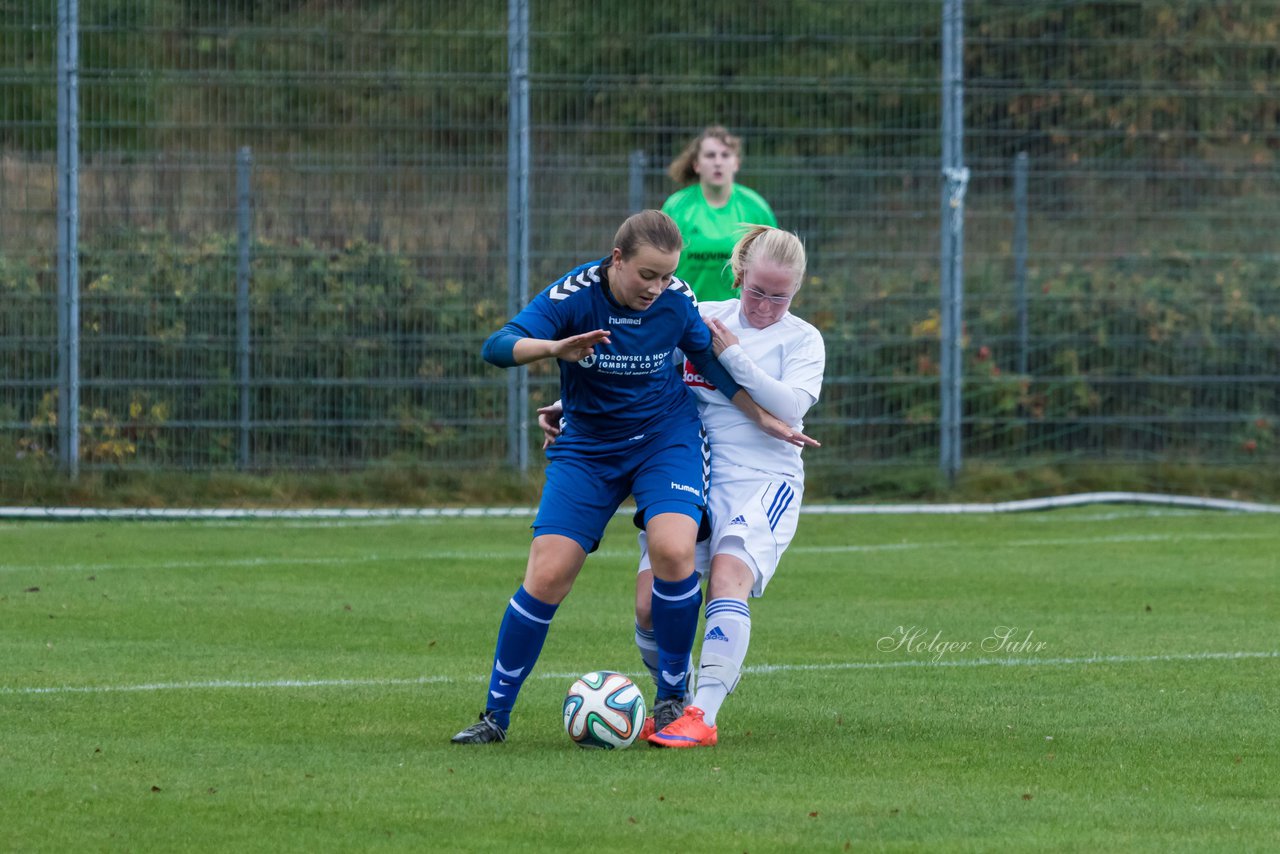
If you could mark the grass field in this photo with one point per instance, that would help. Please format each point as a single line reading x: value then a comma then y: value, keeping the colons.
x: 292, y: 687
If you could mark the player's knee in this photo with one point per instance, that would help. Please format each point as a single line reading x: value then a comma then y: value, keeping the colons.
x: 674, y: 563
x: 732, y: 572
x: 553, y: 565
x: 549, y: 587
x: 672, y: 536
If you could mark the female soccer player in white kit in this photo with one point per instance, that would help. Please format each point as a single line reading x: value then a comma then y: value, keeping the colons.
x: 757, y: 482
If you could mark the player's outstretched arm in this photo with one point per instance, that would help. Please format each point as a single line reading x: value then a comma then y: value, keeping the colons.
x: 711, y: 368
x: 776, y: 395
x: 506, y: 349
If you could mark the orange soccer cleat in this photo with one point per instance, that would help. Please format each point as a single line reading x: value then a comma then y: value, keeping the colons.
x: 688, y: 730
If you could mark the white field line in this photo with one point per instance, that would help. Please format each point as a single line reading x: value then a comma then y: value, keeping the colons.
x: 1119, y: 515
x: 215, y: 563
x: 426, y: 557
x: 1056, y: 502
x: 760, y: 669
x: 995, y: 543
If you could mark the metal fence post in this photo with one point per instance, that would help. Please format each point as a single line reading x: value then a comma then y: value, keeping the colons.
x: 244, y: 165
x: 955, y: 183
x: 517, y: 219
x: 68, y: 237
x: 635, y: 184
x: 1020, y: 254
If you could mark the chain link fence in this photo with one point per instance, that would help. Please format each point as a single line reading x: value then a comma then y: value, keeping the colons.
x: 1122, y: 302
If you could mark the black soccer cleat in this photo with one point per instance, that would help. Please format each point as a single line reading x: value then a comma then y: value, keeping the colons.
x: 483, y: 731
x: 666, y: 711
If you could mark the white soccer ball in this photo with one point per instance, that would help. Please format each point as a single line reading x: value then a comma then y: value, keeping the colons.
x: 604, y: 710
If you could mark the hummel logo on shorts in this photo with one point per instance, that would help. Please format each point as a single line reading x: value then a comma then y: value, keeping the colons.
x: 715, y: 634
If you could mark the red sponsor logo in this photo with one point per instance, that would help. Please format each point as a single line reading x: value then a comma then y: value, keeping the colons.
x: 693, y: 378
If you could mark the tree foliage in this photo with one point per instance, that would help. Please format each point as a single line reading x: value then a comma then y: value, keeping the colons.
x: 1145, y: 79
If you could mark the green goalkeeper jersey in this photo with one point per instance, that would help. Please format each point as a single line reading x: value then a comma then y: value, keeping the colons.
x: 710, y: 233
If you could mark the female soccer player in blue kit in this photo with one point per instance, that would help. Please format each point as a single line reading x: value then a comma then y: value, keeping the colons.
x: 630, y: 428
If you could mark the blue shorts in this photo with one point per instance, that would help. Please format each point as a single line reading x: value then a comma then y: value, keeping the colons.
x: 667, y: 471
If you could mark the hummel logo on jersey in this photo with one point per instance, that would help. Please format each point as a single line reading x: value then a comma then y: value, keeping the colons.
x: 738, y: 520
x: 716, y: 634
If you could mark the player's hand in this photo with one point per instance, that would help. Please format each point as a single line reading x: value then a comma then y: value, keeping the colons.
x: 779, y: 429
x: 549, y: 422
x: 721, y: 337
x: 575, y: 348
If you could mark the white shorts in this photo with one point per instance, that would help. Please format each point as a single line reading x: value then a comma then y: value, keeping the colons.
x: 753, y: 521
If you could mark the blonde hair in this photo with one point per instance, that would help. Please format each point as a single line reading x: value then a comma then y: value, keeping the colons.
x: 648, y: 228
x: 681, y: 169
x: 764, y: 242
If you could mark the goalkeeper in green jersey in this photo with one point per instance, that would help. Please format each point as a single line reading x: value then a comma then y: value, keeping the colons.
x: 712, y: 211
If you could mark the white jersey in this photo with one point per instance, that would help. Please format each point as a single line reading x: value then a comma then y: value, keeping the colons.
x: 781, y: 367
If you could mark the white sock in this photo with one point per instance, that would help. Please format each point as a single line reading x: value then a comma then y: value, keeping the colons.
x: 648, y: 651
x: 724, y: 649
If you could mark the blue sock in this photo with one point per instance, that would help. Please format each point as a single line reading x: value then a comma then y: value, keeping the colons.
x: 675, y: 621
x: 524, y: 628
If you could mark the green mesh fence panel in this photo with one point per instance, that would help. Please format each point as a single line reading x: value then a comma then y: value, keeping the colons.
x: 1145, y: 327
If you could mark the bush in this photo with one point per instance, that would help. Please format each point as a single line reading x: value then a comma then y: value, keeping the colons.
x: 357, y: 356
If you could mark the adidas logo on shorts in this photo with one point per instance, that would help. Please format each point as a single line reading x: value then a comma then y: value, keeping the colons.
x: 738, y: 520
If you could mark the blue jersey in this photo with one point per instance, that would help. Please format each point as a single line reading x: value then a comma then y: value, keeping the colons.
x: 629, y: 386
